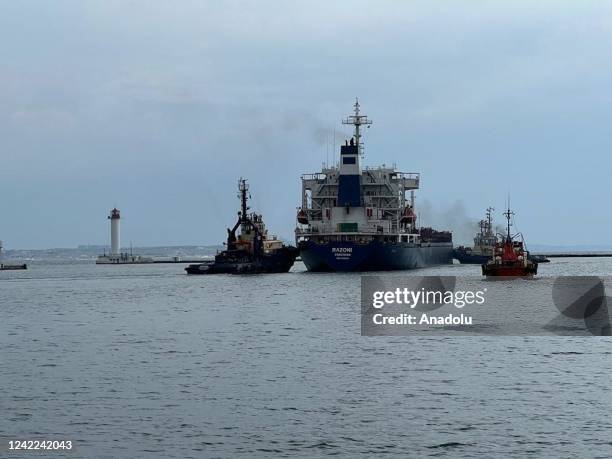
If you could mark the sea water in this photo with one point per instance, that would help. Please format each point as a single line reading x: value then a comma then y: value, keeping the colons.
x: 145, y: 361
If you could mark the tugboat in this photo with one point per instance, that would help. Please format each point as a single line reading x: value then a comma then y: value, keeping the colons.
x: 510, y: 258
x: 355, y: 218
x: 484, y: 245
x: 253, y: 251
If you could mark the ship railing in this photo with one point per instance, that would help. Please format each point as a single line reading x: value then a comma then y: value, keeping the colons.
x: 382, y: 167
x: 408, y: 175
x: 333, y: 231
x: 391, y: 170
x: 315, y: 176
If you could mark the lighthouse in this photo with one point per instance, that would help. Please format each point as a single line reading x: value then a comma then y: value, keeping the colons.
x: 115, y: 217
x: 115, y: 257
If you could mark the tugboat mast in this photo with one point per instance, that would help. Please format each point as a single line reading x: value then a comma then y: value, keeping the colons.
x: 243, y: 188
x: 508, y: 214
x: 357, y: 120
x: 490, y: 219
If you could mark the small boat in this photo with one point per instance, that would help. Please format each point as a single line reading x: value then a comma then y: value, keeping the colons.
x: 5, y: 267
x: 537, y: 258
x: 509, y: 258
x: 12, y: 267
x: 252, y: 251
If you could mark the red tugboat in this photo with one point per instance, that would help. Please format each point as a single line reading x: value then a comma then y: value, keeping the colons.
x: 510, y: 259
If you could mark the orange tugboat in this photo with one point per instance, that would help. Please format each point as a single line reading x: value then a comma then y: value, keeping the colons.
x: 510, y: 259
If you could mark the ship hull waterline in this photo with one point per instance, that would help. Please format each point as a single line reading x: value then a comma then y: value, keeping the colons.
x: 509, y: 272
x: 466, y: 258
x: 280, y: 262
x: 373, y: 256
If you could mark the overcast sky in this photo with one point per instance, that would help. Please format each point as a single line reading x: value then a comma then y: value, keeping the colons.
x: 158, y: 107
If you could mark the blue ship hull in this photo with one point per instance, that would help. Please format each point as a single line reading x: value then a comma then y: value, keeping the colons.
x: 373, y: 256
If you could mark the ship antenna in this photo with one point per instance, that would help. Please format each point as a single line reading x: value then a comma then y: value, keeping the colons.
x: 327, y: 150
x: 508, y: 214
x: 334, y: 149
x: 357, y: 120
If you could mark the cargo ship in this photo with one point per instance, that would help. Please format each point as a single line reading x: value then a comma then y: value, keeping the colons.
x: 509, y: 257
x: 252, y: 251
x: 364, y: 219
x: 484, y: 245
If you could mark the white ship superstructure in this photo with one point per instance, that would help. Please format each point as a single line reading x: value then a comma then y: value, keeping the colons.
x: 384, y: 210
x: 356, y: 206
x: 347, y: 198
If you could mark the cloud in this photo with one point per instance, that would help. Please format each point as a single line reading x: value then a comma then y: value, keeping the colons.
x: 139, y: 104
x: 43, y: 119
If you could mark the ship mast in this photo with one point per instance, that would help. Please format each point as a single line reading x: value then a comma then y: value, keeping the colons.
x: 243, y: 188
x: 357, y: 120
x: 244, y: 221
x: 489, y: 219
x: 508, y: 214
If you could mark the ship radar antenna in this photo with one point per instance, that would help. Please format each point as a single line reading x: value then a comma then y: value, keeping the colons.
x: 357, y: 120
